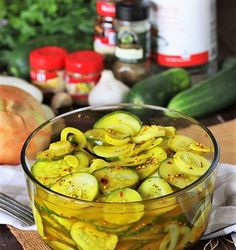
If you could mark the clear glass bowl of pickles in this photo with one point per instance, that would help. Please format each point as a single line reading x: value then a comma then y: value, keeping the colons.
x: 121, y: 177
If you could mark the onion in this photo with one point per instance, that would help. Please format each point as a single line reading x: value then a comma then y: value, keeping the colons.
x: 20, y: 114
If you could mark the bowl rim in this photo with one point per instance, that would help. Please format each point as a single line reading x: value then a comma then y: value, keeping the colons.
x: 213, y: 166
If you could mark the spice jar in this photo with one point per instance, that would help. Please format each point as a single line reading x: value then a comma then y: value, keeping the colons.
x: 104, y: 31
x: 133, y: 41
x: 82, y: 72
x: 47, y: 67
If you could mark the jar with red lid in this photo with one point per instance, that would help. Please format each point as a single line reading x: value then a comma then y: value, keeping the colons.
x: 104, y: 30
x: 82, y: 72
x: 47, y: 68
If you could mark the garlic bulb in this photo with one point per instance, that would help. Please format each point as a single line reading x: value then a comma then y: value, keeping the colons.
x: 108, y: 90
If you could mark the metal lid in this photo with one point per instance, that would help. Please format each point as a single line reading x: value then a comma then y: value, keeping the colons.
x: 132, y: 10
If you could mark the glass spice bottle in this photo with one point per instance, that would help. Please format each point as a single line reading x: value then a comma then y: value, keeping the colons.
x: 133, y: 41
x: 104, y: 31
x: 82, y: 72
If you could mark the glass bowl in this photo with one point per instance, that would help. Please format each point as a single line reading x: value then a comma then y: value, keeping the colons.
x: 174, y: 221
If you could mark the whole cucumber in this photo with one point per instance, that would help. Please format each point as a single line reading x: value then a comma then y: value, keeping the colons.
x: 209, y: 96
x: 159, y: 88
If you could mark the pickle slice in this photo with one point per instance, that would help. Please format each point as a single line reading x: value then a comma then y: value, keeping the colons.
x: 149, y: 167
x: 199, y: 147
x: 180, y: 142
x: 115, y: 138
x: 113, y: 151
x: 120, y: 121
x: 48, y: 172
x: 96, y: 136
x: 64, y: 222
x: 191, y: 163
x: 112, y: 178
x: 82, y: 186
x: 87, y: 237
x: 173, y: 175
x: 158, y: 153
x: 123, y: 214
x: 154, y: 187
x: 83, y: 159
x: 56, y: 151
x: 52, y: 233
x: 38, y: 221
x: 59, y: 245
x: 148, y: 132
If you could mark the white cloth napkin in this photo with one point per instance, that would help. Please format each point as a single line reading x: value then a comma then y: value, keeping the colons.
x: 222, y: 219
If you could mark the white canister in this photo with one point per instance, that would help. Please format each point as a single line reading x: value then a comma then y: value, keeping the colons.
x: 185, y: 32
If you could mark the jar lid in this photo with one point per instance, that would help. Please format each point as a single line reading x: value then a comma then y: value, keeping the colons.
x: 106, y: 8
x: 48, y: 58
x: 84, y: 62
x: 133, y: 10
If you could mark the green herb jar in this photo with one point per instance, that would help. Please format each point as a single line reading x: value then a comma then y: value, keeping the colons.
x: 133, y: 41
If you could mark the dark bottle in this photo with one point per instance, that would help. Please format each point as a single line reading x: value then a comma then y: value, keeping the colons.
x: 133, y: 41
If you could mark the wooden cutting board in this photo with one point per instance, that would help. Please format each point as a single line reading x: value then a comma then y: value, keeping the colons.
x: 225, y: 135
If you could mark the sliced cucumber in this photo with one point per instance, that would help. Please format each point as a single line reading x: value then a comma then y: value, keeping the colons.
x: 120, y: 121
x: 157, y: 152
x: 48, y: 172
x: 59, y: 245
x: 87, y: 237
x: 123, y: 214
x: 154, y: 187
x: 97, y: 164
x: 199, y: 147
x: 113, y: 151
x: 38, y: 221
x: 82, y: 186
x: 112, y: 178
x: 149, y: 167
x: 180, y: 142
x: 177, y: 237
x: 64, y: 222
x: 52, y: 233
x: 115, y: 138
x: 170, y: 131
x: 148, y: 132
x: 72, y: 160
x: 191, y: 163
x: 169, y: 171
x: 83, y: 159
x: 56, y: 151
x: 96, y: 136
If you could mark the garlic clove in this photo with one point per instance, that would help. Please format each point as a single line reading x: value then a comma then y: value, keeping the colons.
x: 108, y: 90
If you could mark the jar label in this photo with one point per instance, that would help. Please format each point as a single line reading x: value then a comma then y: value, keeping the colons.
x: 47, y: 81
x: 132, y: 46
x: 186, y: 32
x: 105, y: 8
x: 105, y: 44
x: 79, y: 89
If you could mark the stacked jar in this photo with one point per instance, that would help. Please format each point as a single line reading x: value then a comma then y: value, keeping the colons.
x: 133, y: 41
x: 104, y: 32
x: 47, y: 67
x: 82, y: 72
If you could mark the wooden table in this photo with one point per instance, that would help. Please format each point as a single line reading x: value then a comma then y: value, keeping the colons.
x: 9, y: 242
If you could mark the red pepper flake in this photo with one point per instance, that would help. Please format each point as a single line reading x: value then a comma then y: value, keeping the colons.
x: 104, y: 181
x: 121, y: 194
